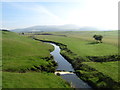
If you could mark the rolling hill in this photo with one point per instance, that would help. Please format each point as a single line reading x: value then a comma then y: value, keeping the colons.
x: 27, y: 63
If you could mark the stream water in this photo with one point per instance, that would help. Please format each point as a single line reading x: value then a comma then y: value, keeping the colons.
x: 64, y: 65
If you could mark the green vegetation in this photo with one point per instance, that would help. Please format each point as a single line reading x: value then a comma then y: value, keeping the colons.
x: 82, y: 47
x: 94, y: 63
x: 26, y: 60
x: 27, y: 63
x: 22, y: 54
x: 110, y: 37
x: 97, y: 78
x: 32, y: 80
x: 108, y: 68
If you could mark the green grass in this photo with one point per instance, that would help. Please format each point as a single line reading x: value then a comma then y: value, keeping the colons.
x: 108, y: 68
x: 100, y: 75
x: 22, y: 53
x: 82, y: 44
x: 32, y: 80
x: 110, y: 37
x: 83, y: 47
x: 26, y: 63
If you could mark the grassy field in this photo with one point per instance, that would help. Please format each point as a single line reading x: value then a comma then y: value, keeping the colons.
x: 110, y: 37
x: 22, y: 53
x: 82, y: 44
x: 32, y: 80
x: 27, y: 63
x: 108, y: 68
x: 83, y: 47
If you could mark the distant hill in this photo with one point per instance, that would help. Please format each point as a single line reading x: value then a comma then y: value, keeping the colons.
x: 49, y: 28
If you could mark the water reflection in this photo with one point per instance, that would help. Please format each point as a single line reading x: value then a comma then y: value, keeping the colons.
x: 64, y: 65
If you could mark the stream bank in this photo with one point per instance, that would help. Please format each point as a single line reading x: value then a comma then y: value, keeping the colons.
x: 64, y: 67
x: 93, y: 77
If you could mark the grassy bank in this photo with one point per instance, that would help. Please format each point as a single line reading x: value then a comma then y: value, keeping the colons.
x: 84, y: 55
x: 25, y: 62
x: 108, y: 68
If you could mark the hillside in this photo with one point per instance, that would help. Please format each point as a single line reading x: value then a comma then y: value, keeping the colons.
x: 27, y: 63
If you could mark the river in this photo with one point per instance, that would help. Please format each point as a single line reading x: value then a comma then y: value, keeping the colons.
x: 64, y: 65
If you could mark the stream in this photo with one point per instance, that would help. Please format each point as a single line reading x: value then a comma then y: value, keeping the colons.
x: 66, y: 70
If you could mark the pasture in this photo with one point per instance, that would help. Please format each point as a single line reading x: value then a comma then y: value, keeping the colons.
x: 82, y: 44
x: 82, y: 47
x: 27, y: 63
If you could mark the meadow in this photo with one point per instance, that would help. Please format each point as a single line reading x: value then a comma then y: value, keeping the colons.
x: 110, y: 37
x: 108, y: 68
x: 32, y: 80
x: 80, y: 45
x: 27, y: 63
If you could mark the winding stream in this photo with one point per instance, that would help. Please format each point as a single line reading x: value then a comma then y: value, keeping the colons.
x: 65, y: 66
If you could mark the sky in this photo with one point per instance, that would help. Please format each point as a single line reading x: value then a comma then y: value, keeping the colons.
x: 101, y: 14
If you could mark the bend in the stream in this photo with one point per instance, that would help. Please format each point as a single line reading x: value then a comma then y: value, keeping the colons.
x: 66, y: 70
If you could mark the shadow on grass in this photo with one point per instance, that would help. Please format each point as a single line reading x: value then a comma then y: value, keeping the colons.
x: 93, y: 43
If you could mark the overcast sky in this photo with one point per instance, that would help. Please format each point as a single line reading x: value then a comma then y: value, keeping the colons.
x: 102, y: 14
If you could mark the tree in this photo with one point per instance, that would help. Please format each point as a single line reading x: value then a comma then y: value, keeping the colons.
x: 22, y: 33
x: 98, y: 38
